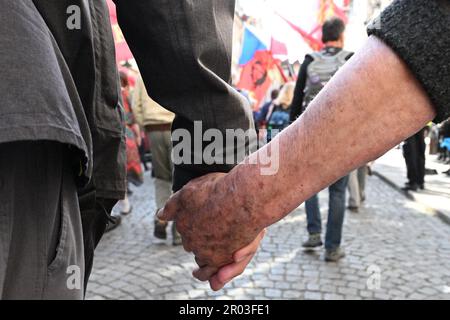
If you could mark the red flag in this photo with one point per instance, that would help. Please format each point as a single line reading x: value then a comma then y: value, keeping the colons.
x: 281, y: 70
x: 278, y: 48
x: 256, y: 77
x: 327, y: 9
x: 123, y: 52
x: 314, y: 43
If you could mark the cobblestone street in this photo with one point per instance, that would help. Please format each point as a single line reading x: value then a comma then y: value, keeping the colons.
x: 394, y: 251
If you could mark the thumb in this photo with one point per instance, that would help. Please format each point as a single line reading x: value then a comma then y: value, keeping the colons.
x: 170, y: 210
x: 165, y: 215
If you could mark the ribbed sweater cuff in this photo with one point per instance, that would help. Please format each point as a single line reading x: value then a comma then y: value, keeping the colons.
x: 418, y: 31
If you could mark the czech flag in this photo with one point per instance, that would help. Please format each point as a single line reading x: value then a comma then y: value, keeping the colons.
x: 251, y: 44
x: 259, y: 67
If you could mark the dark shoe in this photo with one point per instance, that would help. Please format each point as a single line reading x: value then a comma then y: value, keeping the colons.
x: 313, y: 241
x: 334, y: 255
x: 353, y: 209
x: 114, y: 222
x: 125, y: 213
x: 410, y: 187
x: 160, y: 230
x: 176, y: 237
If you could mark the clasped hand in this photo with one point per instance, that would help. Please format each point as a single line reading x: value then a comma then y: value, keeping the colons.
x: 217, y: 226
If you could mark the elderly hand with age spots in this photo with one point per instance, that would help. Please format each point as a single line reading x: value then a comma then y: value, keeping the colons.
x: 222, y: 237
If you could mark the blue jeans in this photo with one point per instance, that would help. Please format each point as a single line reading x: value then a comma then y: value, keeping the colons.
x: 335, y: 214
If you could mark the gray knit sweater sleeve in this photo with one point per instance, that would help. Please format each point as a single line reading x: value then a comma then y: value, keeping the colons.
x: 419, y: 32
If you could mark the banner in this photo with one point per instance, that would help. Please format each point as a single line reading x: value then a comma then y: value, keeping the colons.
x: 278, y: 48
x: 326, y: 9
x: 257, y: 75
x: 123, y: 52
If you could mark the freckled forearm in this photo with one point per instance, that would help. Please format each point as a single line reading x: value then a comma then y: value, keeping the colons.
x: 371, y: 105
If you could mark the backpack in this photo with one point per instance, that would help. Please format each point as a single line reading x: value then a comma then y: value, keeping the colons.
x: 320, y: 71
x: 280, y: 118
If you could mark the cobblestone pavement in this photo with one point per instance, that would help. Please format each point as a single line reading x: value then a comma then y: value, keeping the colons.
x: 394, y: 251
x: 437, y: 187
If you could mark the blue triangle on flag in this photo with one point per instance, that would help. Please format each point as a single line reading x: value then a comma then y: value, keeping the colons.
x: 250, y: 46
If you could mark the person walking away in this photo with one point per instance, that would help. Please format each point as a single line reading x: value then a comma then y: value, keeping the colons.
x: 133, y: 140
x: 317, y: 69
x: 157, y: 122
x: 414, y: 154
x: 143, y: 148
x: 444, y: 142
x: 278, y: 114
x: 261, y: 117
x: 357, y: 188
